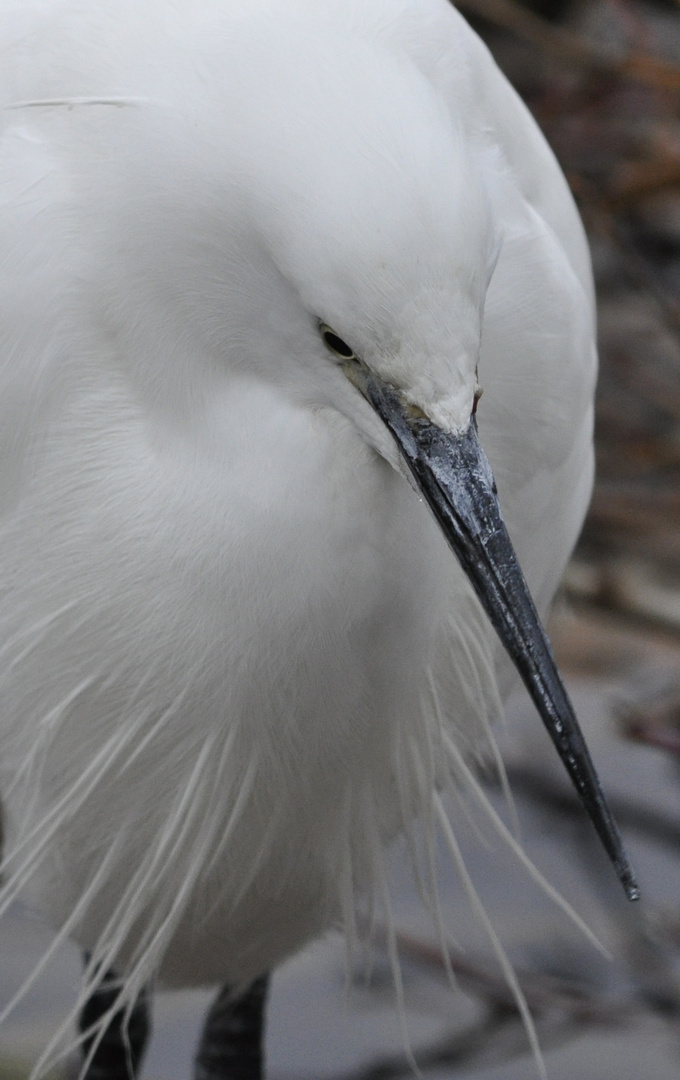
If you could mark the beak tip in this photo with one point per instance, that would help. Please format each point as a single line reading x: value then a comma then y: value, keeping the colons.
x: 627, y: 879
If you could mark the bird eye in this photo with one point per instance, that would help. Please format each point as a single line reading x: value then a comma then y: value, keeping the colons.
x: 335, y: 343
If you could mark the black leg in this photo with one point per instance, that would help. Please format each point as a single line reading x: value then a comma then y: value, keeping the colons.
x: 231, y: 1046
x: 121, y: 1047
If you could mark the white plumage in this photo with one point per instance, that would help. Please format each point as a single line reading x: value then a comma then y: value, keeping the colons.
x: 224, y: 608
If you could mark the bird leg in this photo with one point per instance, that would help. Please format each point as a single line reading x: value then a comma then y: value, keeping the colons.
x: 231, y: 1044
x: 120, y: 1048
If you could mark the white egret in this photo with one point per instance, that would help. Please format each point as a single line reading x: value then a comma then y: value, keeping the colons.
x: 257, y: 259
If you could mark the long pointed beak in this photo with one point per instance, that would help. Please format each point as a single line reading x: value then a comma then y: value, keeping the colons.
x: 454, y: 475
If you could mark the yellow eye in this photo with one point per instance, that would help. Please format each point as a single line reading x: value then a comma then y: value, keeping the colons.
x: 335, y: 344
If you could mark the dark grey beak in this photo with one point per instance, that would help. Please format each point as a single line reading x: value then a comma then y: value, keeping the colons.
x: 455, y: 478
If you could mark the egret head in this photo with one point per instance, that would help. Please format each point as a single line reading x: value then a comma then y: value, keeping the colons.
x: 351, y: 272
x: 394, y: 250
x: 390, y: 251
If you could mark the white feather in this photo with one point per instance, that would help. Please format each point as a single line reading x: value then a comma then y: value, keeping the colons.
x: 222, y: 605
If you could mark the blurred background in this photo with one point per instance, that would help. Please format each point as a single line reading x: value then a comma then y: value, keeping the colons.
x: 602, y: 77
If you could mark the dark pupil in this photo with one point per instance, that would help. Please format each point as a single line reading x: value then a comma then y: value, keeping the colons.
x: 338, y: 345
